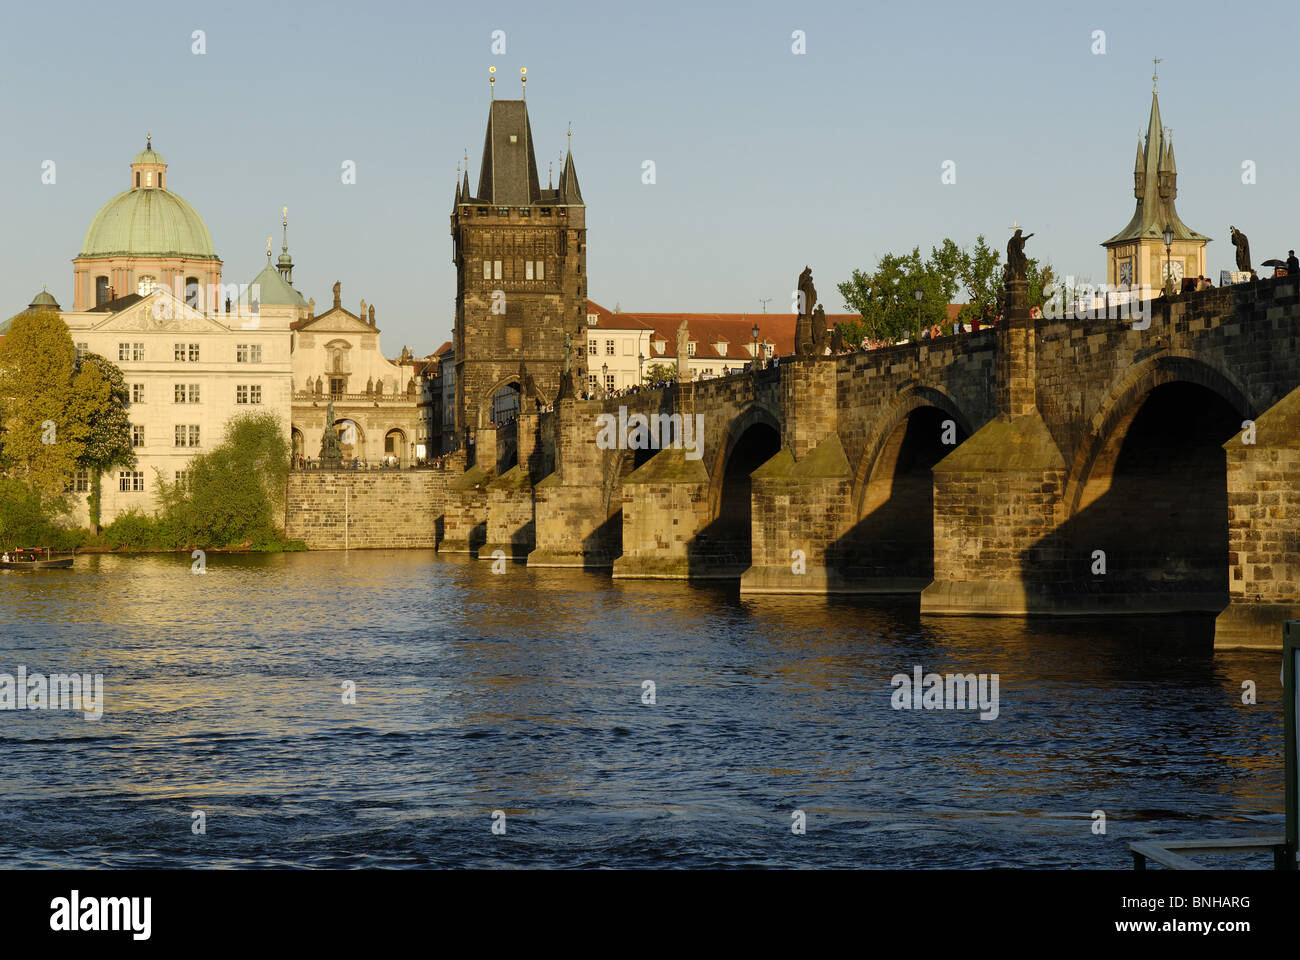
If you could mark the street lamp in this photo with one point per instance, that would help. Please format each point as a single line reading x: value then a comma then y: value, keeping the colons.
x: 754, y: 331
x: 604, y: 379
x: 640, y: 367
x: 919, y: 294
x: 1169, y: 277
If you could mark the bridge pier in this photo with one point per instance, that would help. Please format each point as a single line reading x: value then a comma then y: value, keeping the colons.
x: 510, y: 521
x: 572, y: 526
x: 665, y: 508
x: 462, y: 528
x: 1263, y: 530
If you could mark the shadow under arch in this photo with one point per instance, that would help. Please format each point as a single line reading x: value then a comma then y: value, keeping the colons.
x: 890, y: 546
x: 723, y: 546
x: 1146, y: 503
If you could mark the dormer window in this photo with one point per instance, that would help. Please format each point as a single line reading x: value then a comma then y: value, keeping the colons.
x: 593, y: 319
x: 690, y: 347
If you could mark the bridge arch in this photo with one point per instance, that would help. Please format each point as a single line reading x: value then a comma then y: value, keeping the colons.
x: 1126, y: 397
x: 892, y: 494
x: 753, y: 415
x: 886, y: 426
x: 1148, y: 485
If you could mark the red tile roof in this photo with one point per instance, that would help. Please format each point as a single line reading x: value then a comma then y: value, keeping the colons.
x: 732, y: 331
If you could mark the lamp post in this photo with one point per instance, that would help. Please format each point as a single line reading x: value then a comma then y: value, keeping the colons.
x: 754, y: 331
x: 640, y: 367
x: 1169, y: 277
x: 919, y: 294
x: 604, y: 379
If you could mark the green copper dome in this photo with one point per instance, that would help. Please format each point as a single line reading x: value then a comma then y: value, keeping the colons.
x: 43, y: 299
x: 149, y: 223
x: 148, y: 155
x: 274, y: 290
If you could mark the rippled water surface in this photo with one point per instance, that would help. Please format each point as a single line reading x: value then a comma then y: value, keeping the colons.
x: 523, y: 693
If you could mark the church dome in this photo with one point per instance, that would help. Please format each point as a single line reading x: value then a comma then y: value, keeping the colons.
x: 150, y: 223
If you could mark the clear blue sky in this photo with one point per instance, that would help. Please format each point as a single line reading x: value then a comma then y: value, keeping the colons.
x: 765, y: 160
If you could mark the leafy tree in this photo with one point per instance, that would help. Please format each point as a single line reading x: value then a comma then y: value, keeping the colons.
x: 42, y: 440
x: 234, y: 493
x: 108, y: 440
x: 885, y: 298
x: 26, y: 522
x: 660, y: 371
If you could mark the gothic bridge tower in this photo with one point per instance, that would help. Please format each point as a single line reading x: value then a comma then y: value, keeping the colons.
x: 520, y: 252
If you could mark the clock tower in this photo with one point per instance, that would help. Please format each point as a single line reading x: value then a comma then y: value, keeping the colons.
x: 1136, y: 255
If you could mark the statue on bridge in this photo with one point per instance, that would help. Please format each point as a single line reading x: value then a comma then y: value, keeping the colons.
x: 1243, y: 249
x: 1017, y: 263
x: 805, y: 334
x: 331, y: 451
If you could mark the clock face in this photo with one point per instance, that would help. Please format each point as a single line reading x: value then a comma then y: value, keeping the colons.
x: 1126, y: 272
x: 1175, y: 271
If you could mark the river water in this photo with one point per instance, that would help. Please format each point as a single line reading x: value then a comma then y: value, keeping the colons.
x: 523, y: 693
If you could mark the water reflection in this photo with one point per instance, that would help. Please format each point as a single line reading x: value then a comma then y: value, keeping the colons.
x: 522, y: 692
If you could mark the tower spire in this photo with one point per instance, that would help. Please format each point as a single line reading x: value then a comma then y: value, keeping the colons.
x: 285, y: 263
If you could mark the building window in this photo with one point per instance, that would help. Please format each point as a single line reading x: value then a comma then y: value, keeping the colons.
x: 591, y: 382
x: 81, y: 481
x: 541, y: 269
x: 591, y: 347
x: 487, y: 269
x: 137, y: 393
x: 191, y: 283
x: 182, y: 477
x: 137, y: 178
x: 496, y: 269
x: 187, y: 435
x: 145, y: 285
x: 82, y: 349
x: 187, y: 393
x: 124, y: 351
x: 503, y: 211
x: 130, y: 481
x: 337, y: 386
x: 101, y: 291
x: 137, y: 435
x: 528, y: 269
x: 609, y: 348
x: 690, y: 348
x: 245, y: 393
x: 148, y: 179
x: 523, y: 211
x: 248, y: 353
x: 609, y: 381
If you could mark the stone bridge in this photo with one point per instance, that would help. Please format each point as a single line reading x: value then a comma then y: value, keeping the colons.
x: 1060, y: 466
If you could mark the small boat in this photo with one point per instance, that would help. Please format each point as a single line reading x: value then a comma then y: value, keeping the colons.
x: 34, y: 558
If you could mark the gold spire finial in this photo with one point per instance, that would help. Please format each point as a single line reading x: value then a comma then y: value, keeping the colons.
x: 492, y: 81
x: 285, y: 247
x: 148, y: 140
x: 1155, y: 69
x: 523, y: 81
x: 268, y: 248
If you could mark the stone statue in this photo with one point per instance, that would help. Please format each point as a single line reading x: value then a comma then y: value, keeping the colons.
x: 805, y: 327
x: 1017, y: 264
x: 837, y: 340
x: 683, y: 352
x: 1243, y: 249
x: 372, y: 314
x: 331, y: 451
x: 362, y: 314
x: 338, y: 293
x: 820, y: 335
x: 568, y: 353
x: 311, y: 307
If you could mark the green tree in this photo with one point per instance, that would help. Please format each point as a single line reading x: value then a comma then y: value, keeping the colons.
x: 40, y: 436
x: 108, y: 440
x: 660, y: 371
x: 886, y: 298
x: 233, y: 494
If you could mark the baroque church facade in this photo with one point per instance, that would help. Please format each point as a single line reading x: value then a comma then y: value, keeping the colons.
x: 149, y: 296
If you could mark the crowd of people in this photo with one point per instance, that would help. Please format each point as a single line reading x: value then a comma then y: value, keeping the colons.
x: 308, y: 462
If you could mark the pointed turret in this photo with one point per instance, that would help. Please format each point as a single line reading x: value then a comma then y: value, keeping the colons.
x: 569, y: 192
x: 1168, y: 171
x: 508, y: 177
x: 1139, y: 172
